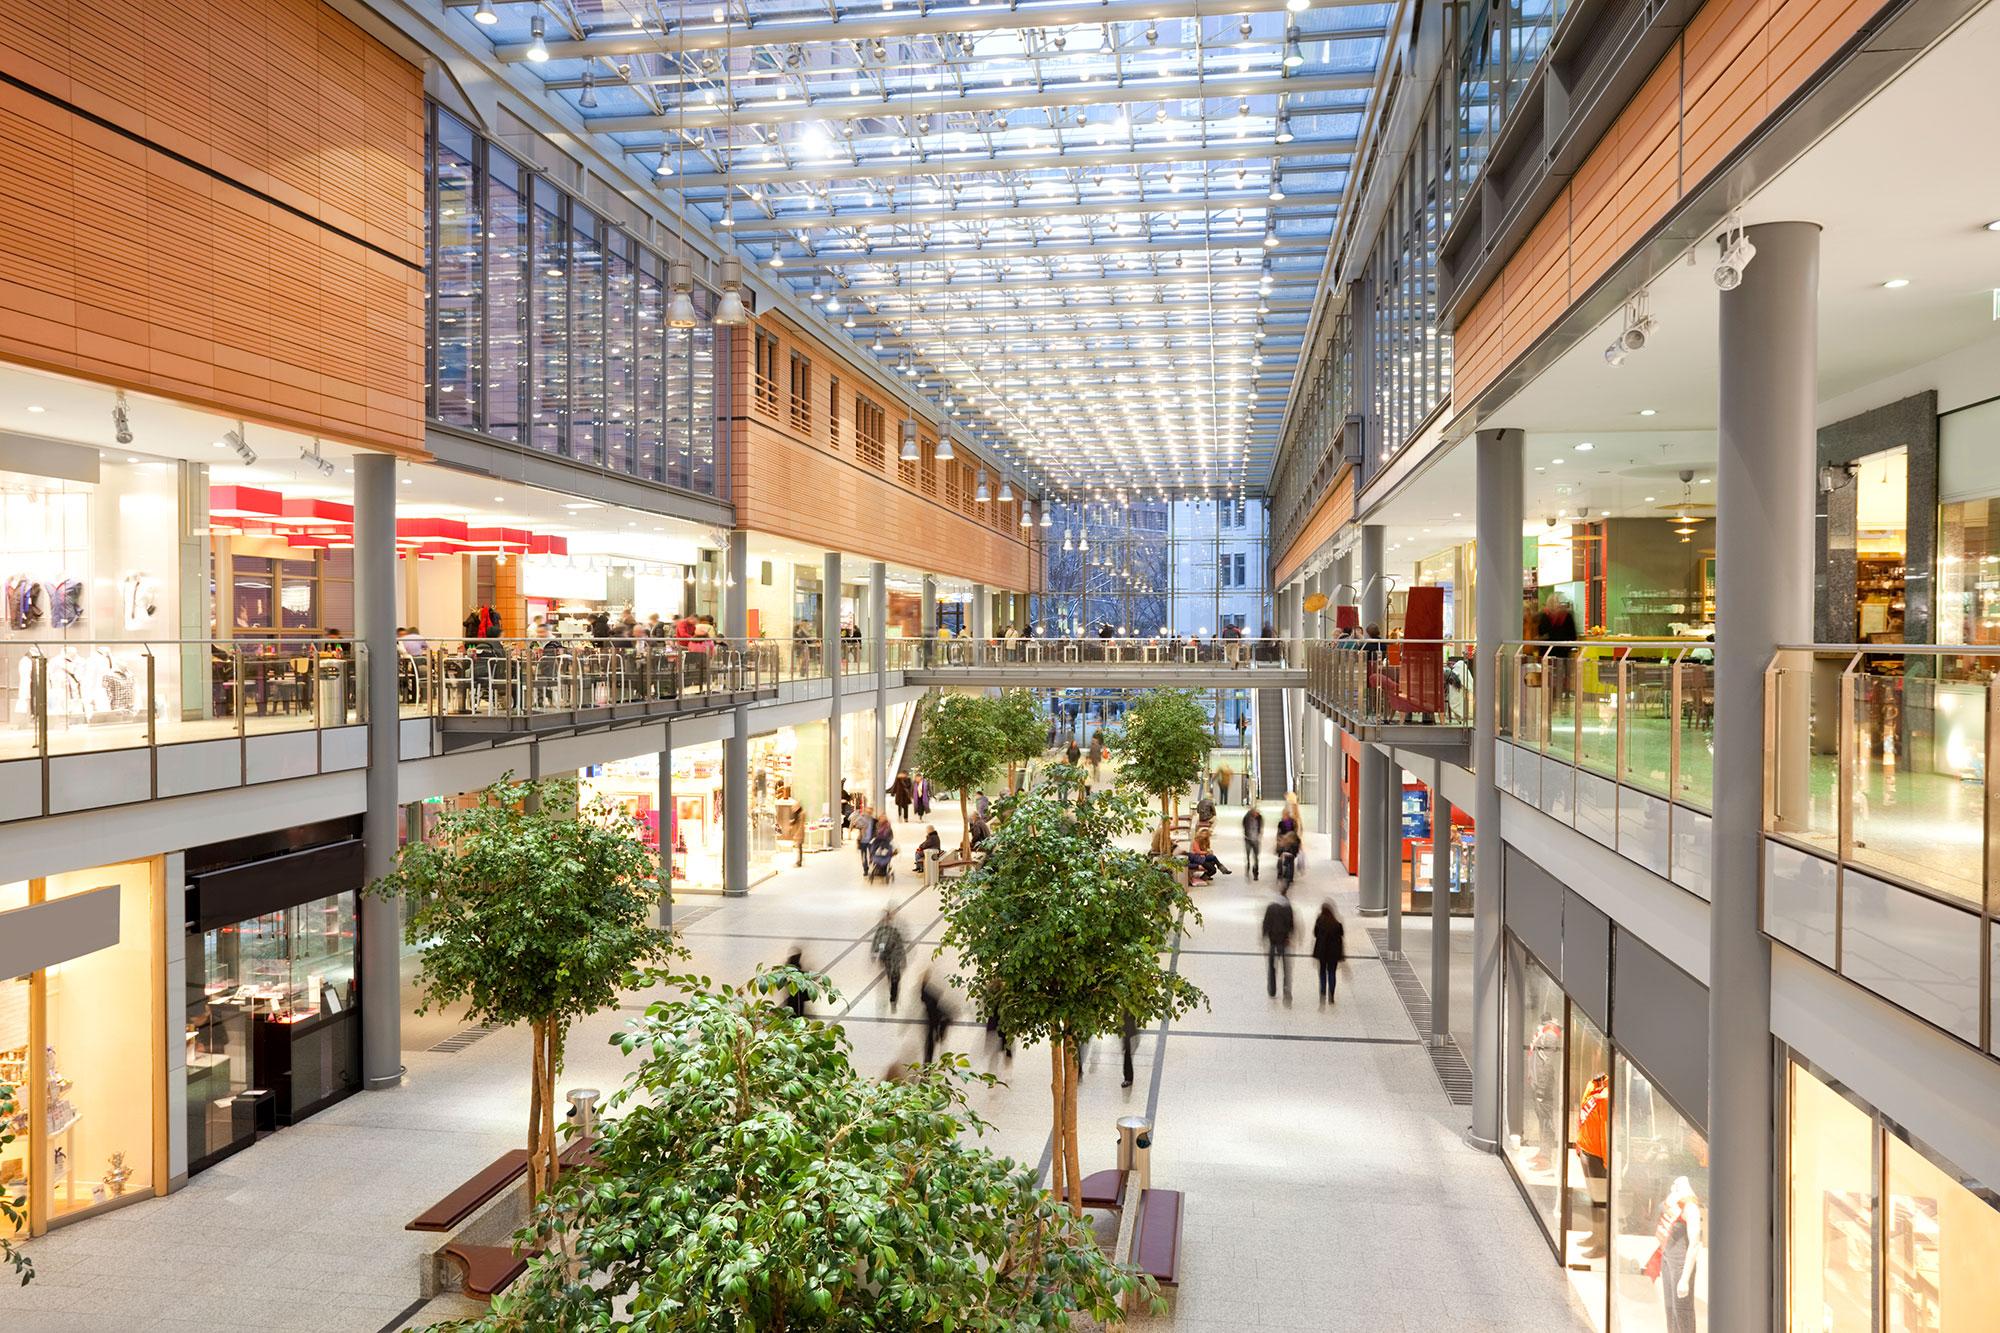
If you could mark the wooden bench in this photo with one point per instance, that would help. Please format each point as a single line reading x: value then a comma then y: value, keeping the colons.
x: 1156, y: 1237
x: 1105, y: 1190
x: 462, y: 1202
x: 958, y: 865
x: 487, y: 1268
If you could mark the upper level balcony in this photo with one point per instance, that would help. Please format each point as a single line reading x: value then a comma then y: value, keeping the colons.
x: 1106, y: 661
x: 1413, y: 693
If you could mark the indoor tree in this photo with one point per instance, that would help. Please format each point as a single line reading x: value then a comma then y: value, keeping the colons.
x: 1162, y: 745
x: 747, y: 1177
x: 531, y: 909
x: 1023, y: 733
x: 1060, y: 933
x: 960, y: 750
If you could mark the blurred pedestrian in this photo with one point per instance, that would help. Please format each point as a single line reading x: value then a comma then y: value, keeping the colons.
x: 1130, y: 1039
x: 1280, y: 927
x: 902, y: 794
x: 1253, y: 837
x: 1329, y: 949
x: 1224, y: 775
x: 937, y: 1018
x: 892, y: 949
x: 795, y: 997
x: 1287, y: 847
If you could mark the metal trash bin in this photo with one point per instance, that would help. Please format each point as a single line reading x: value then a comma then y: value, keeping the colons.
x: 332, y: 687
x: 583, y: 1111
x: 1135, y: 1148
x: 933, y: 871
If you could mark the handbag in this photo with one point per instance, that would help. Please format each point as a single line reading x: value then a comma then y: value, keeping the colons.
x: 1653, y: 1264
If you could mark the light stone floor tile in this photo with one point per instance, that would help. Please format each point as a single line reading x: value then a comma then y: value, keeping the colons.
x: 1327, y: 1186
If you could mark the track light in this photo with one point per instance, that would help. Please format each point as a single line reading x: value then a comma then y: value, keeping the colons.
x: 121, y: 420
x: 309, y: 454
x: 240, y: 446
x: 484, y: 14
x: 1737, y: 252
x: 680, y: 310
x: 538, y: 49
x: 729, y: 310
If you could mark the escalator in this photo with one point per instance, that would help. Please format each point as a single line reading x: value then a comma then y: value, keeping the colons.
x: 1273, y: 773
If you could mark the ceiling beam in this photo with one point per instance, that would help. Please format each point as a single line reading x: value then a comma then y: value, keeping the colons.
x: 1293, y: 205
x: 1071, y: 308
x: 1192, y: 245
x: 865, y: 27
x: 1004, y: 99
x: 968, y: 164
x: 1250, y: 274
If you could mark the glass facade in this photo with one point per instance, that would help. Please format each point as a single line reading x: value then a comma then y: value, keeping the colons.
x: 1537, y: 1014
x: 1880, y: 1234
x: 1411, y: 355
x: 548, y: 324
x: 1181, y: 568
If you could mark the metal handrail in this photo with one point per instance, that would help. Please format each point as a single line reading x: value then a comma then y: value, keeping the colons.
x: 1362, y: 679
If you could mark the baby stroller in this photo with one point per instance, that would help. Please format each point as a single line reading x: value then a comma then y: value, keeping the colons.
x: 1288, y: 865
x: 881, y: 860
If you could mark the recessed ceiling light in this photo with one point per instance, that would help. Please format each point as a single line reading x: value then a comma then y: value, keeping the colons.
x: 1893, y: 283
x: 1993, y: 225
x: 409, y: 481
x: 34, y: 407
x: 1648, y: 412
x: 1649, y: 499
x: 1557, y: 461
x: 499, y: 499
x: 1456, y: 514
x: 1705, y: 480
x: 1585, y: 446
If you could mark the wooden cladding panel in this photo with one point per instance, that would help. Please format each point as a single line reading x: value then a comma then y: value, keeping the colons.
x: 121, y: 262
x: 1334, y: 508
x: 285, y: 97
x: 790, y: 488
x: 1733, y: 66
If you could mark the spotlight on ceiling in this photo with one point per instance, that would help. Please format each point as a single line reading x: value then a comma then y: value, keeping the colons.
x: 240, y: 446
x: 121, y: 420
x: 309, y: 454
x: 1737, y: 252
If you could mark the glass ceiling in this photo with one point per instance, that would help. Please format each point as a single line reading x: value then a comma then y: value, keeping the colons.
x: 1089, y: 233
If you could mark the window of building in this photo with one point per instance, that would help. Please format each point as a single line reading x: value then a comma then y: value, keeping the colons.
x: 802, y: 412
x: 766, y: 380
x: 1830, y: 1202
x: 1659, y: 1212
x: 833, y: 411
x: 457, y: 269
x: 869, y: 424
x: 1536, y: 1020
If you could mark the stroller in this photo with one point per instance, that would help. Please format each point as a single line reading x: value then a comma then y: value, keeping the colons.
x: 881, y: 860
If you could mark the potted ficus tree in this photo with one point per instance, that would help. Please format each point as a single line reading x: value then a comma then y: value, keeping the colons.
x: 1059, y: 935
x: 531, y: 909
x: 749, y: 1178
x: 1162, y: 746
x: 1023, y: 734
x: 13, y: 1216
x: 960, y: 750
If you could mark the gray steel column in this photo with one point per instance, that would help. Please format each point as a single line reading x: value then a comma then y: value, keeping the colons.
x: 1392, y: 854
x: 829, y: 619
x: 1380, y: 858
x: 1498, y: 516
x: 878, y: 613
x: 1295, y: 698
x: 927, y: 613
x: 375, y: 628
x: 1769, y: 357
x: 1342, y: 590
x: 736, y: 748
x: 976, y: 622
x: 1441, y: 884
x: 664, y: 803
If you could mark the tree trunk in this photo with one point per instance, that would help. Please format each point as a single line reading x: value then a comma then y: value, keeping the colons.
x: 1059, y: 1159
x: 535, y: 1081
x: 553, y: 1066
x: 965, y: 821
x: 1069, y: 1136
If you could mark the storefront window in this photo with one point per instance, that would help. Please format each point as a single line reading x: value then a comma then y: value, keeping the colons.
x: 1659, y: 1257
x: 1831, y: 1230
x: 1534, y: 1102
x: 1589, y: 1178
x: 100, y: 1050
x: 1941, y: 1242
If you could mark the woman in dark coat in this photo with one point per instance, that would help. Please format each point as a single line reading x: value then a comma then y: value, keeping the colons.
x: 1329, y: 949
x: 902, y: 793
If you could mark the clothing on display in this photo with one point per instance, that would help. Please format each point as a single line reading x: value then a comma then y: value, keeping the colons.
x: 139, y: 595
x: 27, y: 602
x: 65, y: 603
x: 1677, y: 1254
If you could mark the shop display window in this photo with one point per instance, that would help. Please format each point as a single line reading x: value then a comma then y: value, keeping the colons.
x: 1831, y: 1209
x: 1537, y: 1013
x: 1941, y: 1247
x: 1659, y: 1212
x: 1588, y: 1121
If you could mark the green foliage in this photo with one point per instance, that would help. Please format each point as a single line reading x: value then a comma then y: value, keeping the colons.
x: 962, y: 742
x: 1024, y: 734
x: 529, y: 913
x: 749, y: 1178
x: 1059, y: 929
x: 1163, y: 744
x: 13, y: 1217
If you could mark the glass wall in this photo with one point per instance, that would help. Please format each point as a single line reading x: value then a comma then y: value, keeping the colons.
x: 1880, y: 1234
x: 1659, y: 1246
x: 1536, y: 1014
x: 1181, y: 568
x: 1411, y: 355
x: 547, y: 323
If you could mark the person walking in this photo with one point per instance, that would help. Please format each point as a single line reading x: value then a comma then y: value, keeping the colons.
x: 891, y: 948
x: 1095, y: 755
x: 902, y: 794
x: 1329, y: 949
x: 937, y: 1018
x: 1287, y: 848
x: 922, y: 796
x: 1129, y: 1038
x: 1280, y: 926
x: 1072, y: 752
x: 795, y: 999
x: 1253, y: 837
x: 863, y: 825
x: 1224, y: 775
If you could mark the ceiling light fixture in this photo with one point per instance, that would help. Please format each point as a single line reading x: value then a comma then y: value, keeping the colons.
x: 589, y: 99
x: 1895, y: 284
x: 730, y: 311
x: 538, y: 49
x: 680, y: 310
x: 1737, y: 252
x: 908, y: 453
x: 484, y: 14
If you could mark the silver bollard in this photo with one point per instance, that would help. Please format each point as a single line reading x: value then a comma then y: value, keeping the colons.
x: 1135, y: 1147
x: 583, y: 1111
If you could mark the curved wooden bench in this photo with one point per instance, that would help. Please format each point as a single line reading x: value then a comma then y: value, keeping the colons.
x: 487, y: 1268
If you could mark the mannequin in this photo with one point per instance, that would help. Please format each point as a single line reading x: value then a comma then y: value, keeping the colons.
x: 1544, y: 1070
x: 1681, y: 1251
x: 1593, y: 1124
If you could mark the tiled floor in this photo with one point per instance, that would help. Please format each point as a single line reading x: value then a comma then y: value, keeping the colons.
x: 1327, y: 1185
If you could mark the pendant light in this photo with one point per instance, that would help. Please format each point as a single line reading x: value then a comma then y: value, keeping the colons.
x: 980, y: 494
x: 538, y: 49
x: 945, y: 453
x: 1006, y: 491
x: 484, y: 14
x: 908, y: 453
x: 729, y: 311
x: 680, y: 310
x: 1068, y: 545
